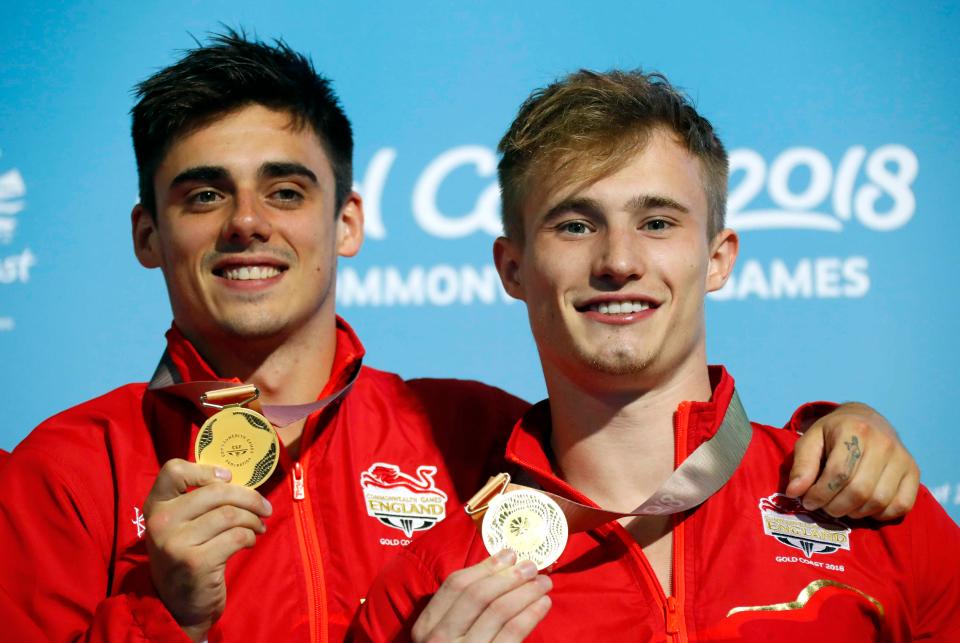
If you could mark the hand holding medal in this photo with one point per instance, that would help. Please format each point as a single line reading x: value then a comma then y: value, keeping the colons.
x: 195, y: 521
x: 499, y: 599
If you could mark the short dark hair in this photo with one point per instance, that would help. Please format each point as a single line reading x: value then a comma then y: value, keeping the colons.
x: 230, y: 72
x: 588, y: 124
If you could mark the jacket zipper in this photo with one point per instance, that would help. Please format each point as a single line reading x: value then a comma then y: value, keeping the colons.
x: 676, y: 627
x: 672, y: 618
x: 310, y: 554
x: 673, y: 604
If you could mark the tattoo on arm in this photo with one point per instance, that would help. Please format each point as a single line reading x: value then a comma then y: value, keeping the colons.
x: 853, y: 456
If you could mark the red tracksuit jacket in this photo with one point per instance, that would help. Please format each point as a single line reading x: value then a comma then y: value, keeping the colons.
x: 378, y: 466
x: 748, y: 564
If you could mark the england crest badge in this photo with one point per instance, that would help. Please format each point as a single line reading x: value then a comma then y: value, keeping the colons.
x: 812, y: 532
x: 399, y: 500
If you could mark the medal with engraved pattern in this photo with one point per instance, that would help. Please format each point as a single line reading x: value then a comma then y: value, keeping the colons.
x: 237, y: 438
x: 527, y: 522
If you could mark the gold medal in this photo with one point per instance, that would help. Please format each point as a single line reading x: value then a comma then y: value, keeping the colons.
x: 239, y: 439
x: 527, y: 522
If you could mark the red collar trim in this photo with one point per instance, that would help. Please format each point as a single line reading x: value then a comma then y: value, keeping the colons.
x: 192, y: 367
x: 189, y: 364
x: 347, y: 357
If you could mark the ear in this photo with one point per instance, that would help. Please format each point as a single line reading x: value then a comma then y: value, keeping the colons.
x: 723, y: 256
x: 145, y: 232
x: 507, y: 255
x: 350, y: 226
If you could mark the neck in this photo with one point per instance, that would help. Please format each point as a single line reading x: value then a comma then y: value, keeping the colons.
x: 291, y: 369
x: 617, y: 444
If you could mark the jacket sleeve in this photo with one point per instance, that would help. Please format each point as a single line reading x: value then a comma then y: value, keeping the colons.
x: 396, y: 598
x: 56, y: 570
x: 805, y: 415
x: 936, y: 560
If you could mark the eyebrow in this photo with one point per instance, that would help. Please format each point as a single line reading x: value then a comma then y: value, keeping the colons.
x: 593, y: 208
x: 218, y: 174
x: 280, y: 169
x: 643, y: 202
x: 201, y: 174
x: 583, y: 205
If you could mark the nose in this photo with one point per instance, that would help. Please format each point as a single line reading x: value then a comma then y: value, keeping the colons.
x: 247, y: 221
x: 619, y: 258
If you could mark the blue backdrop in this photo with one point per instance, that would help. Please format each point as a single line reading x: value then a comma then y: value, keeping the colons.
x: 840, y: 118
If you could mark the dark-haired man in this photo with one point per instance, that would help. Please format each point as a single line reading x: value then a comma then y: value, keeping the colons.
x: 680, y: 529
x: 245, y: 163
x: 244, y: 158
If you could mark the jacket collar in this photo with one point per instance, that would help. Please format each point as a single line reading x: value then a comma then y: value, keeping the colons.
x: 529, y: 443
x: 189, y: 366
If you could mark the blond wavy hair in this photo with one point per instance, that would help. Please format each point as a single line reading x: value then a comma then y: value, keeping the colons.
x: 587, y: 125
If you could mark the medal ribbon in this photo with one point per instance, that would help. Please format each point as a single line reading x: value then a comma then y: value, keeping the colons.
x: 697, y: 478
x: 165, y: 378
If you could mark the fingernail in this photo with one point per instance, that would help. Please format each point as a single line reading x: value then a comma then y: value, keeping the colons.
x: 267, y: 506
x: 810, y: 505
x: 544, y: 582
x: 526, y: 569
x: 504, y: 558
x: 222, y: 474
x: 790, y: 483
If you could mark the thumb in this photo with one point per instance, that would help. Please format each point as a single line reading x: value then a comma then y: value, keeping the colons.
x: 807, y: 458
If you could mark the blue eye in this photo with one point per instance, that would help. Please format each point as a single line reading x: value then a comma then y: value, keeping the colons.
x: 657, y: 225
x: 574, y: 227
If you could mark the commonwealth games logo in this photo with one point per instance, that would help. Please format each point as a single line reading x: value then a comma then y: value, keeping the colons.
x: 402, y: 501
x: 12, y: 191
x: 812, y: 532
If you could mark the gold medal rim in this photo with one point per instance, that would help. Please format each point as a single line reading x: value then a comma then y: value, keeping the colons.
x: 497, y: 503
x: 274, y: 442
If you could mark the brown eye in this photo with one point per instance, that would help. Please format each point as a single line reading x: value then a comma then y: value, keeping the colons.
x: 205, y: 196
x: 287, y: 195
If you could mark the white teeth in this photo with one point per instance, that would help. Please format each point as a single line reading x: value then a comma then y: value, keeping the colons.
x: 620, y: 308
x: 248, y: 273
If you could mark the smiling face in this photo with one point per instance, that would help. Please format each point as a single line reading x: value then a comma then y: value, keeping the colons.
x: 614, y: 272
x: 245, y: 230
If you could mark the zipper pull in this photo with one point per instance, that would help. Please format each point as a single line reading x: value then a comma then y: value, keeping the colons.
x: 298, y: 489
x: 673, y: 618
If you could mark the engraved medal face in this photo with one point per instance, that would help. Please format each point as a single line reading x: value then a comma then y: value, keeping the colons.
x: 529, y: 523
x: 241, y: 440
